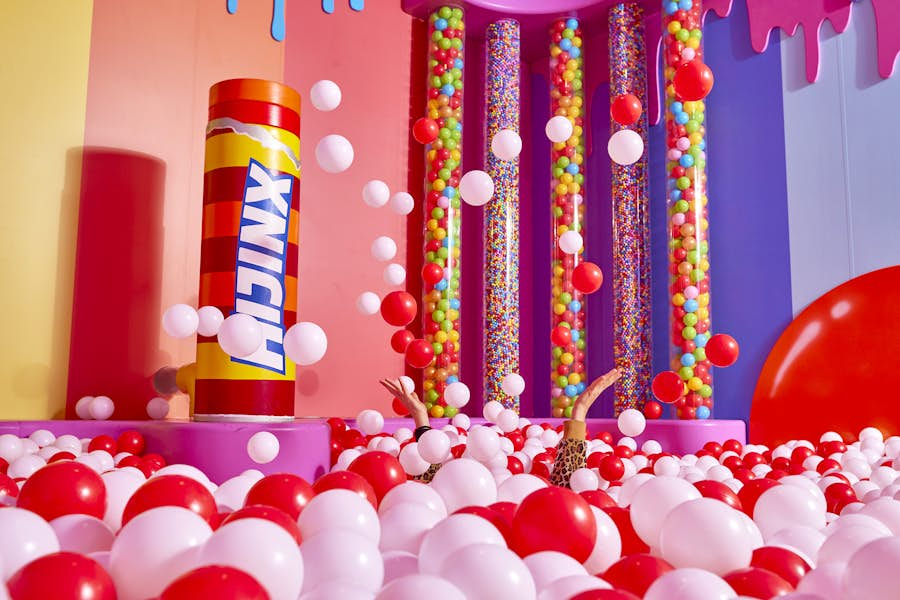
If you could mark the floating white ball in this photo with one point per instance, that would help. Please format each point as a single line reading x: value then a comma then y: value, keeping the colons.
x: 376, y: 193
x: 513, y: 384
x: 368, y: 303
x: 325, y: 95
x: 506, y: 144
x: 384, y: 248
x: 491, y: 410
x: 210, y: 320
x: 305, y: 343
x: 632, y: 422
x: 457, y: 394
x: 559, y: 129
x: 394, y: 274
x: 180, y: 321
x: 334, y: 153
x: 402, y: 203
x: 476, y: 188
x: 263, y: 447
x: 571, y: 242
x: 507, y: 420
x: 625, y: 147
x: 240, y: 335
x: 370, y: 421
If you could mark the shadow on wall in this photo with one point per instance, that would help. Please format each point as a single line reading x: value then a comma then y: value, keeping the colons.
x: 113, y: 348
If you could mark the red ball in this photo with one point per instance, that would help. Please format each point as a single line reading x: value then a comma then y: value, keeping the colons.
x: 751, y: 492
x: 611, y: 467
x: 62, y: 575
x: 668, y: 387
x: 722, y: 350
x: 286, y: 491
x: 399, y: 308
x: 491, y: 516
x: 561, y: 336
x: 605, y: 595
x: 131, y: 441
x: 215, y: 582
x: 554, y: 518
x: 171, y: 490
x: 64, y: 488
x: 838, y: 495
x: 381, y: 470
x: 693, y: 80
x: 718, y: 491
x: 432, y: 273
x: 653, y: 410
x: 636, y: 572
x: 401, y: 339
x: 631, y: 543
x: 103, y: 442
x: 8, y: 487
x: 587, y: 278
x: 626, y: 109
x: 507, y: 510
x: 268, y: 513
x: 514, y: 465
x: 781, y: 561
x: 758, y: 583
x: 419, y: 354
x: 398, y: 408
x: 598, y: 498
x: 346, y: 480
x: 425, y: 130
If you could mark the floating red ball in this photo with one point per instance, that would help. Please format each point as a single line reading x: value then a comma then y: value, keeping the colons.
x: 425, y: 130
x: 401, y: 339
x: 693, y: 80
x: 399, y: 308
x: 626, y: 109
x: 64, y: 488
x: 419, y: 354
x: 668, y: 387
x: 652, y: 410
x: 587, y: 278
x: 722, y: 350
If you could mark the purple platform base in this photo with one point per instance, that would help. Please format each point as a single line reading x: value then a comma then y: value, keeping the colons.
x: 220, y: 449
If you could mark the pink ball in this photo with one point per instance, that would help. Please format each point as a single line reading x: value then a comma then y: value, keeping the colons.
x: 180, y: 321
x: 683, y: 144
x: 370, y: 421
x: 678, y: 219
x: 691, y: 292
x: 673, y: 154
x: 210, y: 319
x: 101, y: 408
x: 263, y: 447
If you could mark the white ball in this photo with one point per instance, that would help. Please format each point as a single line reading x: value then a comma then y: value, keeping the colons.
x: 334, y: 153
x: 506, y: 144
x: 476, y: 188
x: 25, y: 466
x: 325, y: 95
x: 411, y: 461
x: 559, y: 129
x: 491, y: 410
x: 210, y: 319
x: 705, y: 534
x: 81, y: 407
x: 625, y: 147
x: 457, y: 394
x: 370, y: 421
x: 507, y: 420
x: 632, y: 422
x: 461, y: 420
x: 368, y: 303
x: 402, y: 203
x: 394, y: 274
x: 376, y: 193
x: 180, y: 321
x: 408, y: 384
x: 384, y: 248
x: 262, y: 447
x: 158, y: 408
x: 434, y: 446
x: 571, y: 242
x: 513, y: 384
x: 584, y: 479
x: 305, y: 343
x: 101, y: 408
x: 240, y: 335
x: 42, y: 438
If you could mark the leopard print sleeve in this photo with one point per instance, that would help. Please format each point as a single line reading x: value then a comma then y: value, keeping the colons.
x: 428, y: 475
x: 571, y: 455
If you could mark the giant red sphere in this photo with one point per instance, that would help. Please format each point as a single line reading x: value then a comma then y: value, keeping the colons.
x: 62, y: 576
x: 64, y: 488
x: 722, y: 350
x: 171, y: 490
x: 215, y: 581
x: 425, y: 130
x: 419, y: 354
x: 667, y: 387
x: 587, y: 278
x: 693, y: 80
x: 381, y: 470
x: 399, y: 308
x: 286, y: 491
x: 554, y: 518
x: 626, y: 109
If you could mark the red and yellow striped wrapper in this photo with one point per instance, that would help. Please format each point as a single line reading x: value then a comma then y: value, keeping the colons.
x: 249, y: 252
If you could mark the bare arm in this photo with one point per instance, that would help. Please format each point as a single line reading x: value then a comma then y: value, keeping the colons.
x: 409, y: 399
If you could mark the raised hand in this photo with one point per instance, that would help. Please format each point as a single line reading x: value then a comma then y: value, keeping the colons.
x: 409, y: 399
x: 584, y: 402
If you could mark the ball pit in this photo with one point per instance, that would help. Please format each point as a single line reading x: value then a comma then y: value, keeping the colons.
x: 443, y: 159
x: 566, y: 132
x: 687, y: 212
x: 728, y: 520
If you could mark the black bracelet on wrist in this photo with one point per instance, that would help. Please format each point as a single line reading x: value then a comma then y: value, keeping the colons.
x: 420, y: 431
